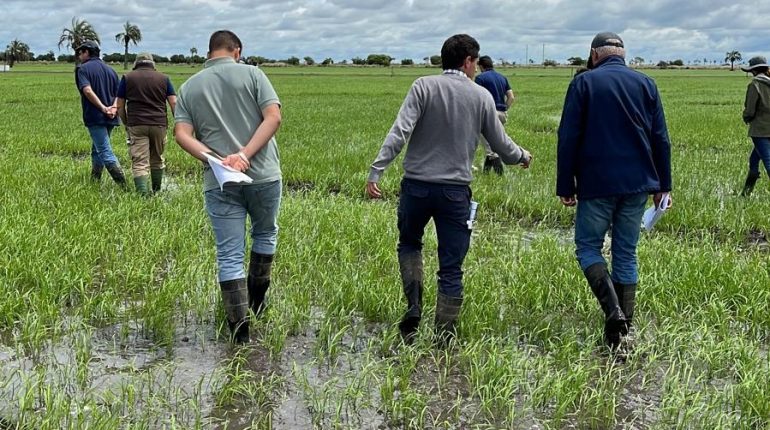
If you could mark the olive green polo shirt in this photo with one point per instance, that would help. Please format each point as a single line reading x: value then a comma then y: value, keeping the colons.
x: 224, y: 103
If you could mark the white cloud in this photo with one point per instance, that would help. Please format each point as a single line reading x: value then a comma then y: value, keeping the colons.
x: 342, y: 29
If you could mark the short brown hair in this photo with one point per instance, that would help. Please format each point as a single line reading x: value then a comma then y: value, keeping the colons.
x: 224, y: 39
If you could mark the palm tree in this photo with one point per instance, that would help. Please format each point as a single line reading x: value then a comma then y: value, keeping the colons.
x: 81, y: 31
x: 193, y: 53
x: 16, y: 51
x: 130, y: 33
x: 732, y: 57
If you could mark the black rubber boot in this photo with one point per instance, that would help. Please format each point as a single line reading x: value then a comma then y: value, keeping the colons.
x: 411, y: 277
x: 494, y: 163
x: 96, y: 173
x: 626, y: 294
x: 748, y: 187
x: 260, y: 267
x: 157, y: 179
x: 614, y: 319
x: 447, y: 313
x: 235, y: 298
x: 117, y: 175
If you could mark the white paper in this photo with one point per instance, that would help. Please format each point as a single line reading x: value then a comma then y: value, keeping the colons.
x: 653, y: 214
x: 225, y: 174
x: 472, y: 215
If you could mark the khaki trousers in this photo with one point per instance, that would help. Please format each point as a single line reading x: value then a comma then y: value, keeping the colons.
x: 503, y: 117
x: 147, y: 143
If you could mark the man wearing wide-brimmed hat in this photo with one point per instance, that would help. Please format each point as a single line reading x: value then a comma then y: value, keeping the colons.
x: 142, y: 97
x: 756, y: 114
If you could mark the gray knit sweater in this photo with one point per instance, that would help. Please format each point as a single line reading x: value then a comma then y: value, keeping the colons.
x: 442, y: 118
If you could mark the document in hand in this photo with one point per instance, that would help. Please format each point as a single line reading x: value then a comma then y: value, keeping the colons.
x: 223, y: 173
x: 653, y: 214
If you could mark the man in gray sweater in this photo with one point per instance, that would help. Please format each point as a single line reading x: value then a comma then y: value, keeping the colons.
x: 441, y: 119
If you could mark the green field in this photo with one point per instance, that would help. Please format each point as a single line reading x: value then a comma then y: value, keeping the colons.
x: 110, y: 314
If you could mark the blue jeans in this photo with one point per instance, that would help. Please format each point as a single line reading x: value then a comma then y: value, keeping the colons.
x: 761, y: 151
x: 622, y: 215
x: 449, y: 206
x: 227, y: 211
x: 101, y: 150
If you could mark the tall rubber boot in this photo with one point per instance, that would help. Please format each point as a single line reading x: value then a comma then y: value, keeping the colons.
x: 614, y: 320
x: 141, y: 183
x: 493, y: 162
x: 96, y: 173
x: 117, y: 175
x: 410, y: 266
x: 748, y: 187
x: 447, y: 313
x: 157, y: 179
x: 626, y: 294
x: 260, y: 267
x: 235, y: 298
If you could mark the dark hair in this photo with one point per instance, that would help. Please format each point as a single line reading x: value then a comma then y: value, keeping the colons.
x: 760, y: 70
x: 89, y: 46
x: 485, y: 62
x: 224, y: 39
x: 456, y: 49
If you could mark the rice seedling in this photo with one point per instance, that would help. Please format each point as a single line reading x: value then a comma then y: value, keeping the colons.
x: 111, y: 316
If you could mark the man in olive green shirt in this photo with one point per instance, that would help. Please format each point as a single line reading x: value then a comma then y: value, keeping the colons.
x: 232, y: 110
x: 756, y: 114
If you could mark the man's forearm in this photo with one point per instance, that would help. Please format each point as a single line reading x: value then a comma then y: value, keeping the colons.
x: 262, y: 135
x: 94, y: 99
x: 188, y: 142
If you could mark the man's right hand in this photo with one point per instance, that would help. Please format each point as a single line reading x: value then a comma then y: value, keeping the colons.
x: 568, y: 201
x: 525, y: 164
x: 373, y: 190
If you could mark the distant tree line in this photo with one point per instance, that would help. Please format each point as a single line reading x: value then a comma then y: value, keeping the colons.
x: 81, y: 31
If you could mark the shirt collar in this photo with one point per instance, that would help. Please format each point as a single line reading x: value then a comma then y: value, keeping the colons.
x: 218, y: 60
x: 454, y: 72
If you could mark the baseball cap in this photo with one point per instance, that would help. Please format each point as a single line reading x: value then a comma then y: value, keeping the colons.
x: 88, y: 45
x: 144, y: 59
x: 754, y: 62
x: 606, y: 38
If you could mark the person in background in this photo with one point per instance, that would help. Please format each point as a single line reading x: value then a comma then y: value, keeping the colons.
x: 439, y: 122
x: 501, y: 91
x: 613, y: 151
x: 98, y: 87
x: 756, y: 113
x: 233, y: 110
x: 142, y: 97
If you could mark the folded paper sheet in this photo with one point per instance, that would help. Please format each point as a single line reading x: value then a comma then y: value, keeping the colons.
x: 223, y: 173
x: 653, y: 214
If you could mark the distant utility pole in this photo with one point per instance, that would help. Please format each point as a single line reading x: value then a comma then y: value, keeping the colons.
x: 543, y: 55
x: 526, y: 61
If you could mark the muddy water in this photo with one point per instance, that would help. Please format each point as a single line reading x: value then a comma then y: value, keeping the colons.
x: 326, y: 392
x: 112, y: 358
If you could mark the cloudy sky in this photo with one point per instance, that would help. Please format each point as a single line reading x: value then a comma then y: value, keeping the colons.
x: 341, y: 29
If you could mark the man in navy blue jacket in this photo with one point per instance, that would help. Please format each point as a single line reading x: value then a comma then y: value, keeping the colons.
x: 613, y: 152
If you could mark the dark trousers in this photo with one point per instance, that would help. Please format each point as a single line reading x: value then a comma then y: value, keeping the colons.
x: 449, y: 206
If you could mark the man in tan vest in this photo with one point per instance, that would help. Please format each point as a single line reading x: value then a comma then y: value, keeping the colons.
x: 142, y: 97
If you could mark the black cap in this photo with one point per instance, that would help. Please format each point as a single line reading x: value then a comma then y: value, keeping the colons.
x: 606, y: 38
x: 88, y: 45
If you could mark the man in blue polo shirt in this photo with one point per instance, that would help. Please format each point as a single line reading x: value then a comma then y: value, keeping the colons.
x: 613, y: 152
x: 501, y: 91
x: 98, y: 86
